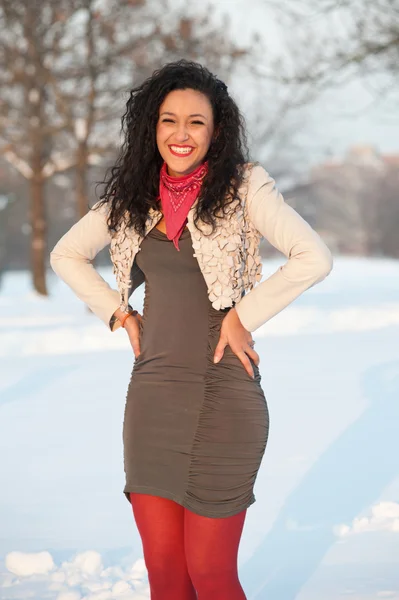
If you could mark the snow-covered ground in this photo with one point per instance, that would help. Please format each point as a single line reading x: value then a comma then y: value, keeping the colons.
x: 326, y: 521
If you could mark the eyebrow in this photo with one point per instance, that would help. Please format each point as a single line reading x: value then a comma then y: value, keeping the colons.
x: 173, y: 114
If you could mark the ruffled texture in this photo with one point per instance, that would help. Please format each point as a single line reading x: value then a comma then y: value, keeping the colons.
x: 229, y: 258
x: 124, y: 246
x: 228, y: 391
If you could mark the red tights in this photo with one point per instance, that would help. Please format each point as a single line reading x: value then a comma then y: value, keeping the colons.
x: 188, y: 557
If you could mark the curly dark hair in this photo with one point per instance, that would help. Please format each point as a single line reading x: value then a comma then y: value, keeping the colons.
x: 132, y: 184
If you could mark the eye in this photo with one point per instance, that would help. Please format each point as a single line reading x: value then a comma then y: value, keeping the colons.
x: 167, y: 120
x: 198, y: 122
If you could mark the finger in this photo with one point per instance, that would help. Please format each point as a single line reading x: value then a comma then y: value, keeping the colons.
x: 246, y: 362
x: 219, y: 350
x: 253, y: 354
x: 135, y: 342
x: 132, y: 325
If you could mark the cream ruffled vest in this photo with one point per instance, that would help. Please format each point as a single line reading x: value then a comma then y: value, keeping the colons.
x: 229, y: 257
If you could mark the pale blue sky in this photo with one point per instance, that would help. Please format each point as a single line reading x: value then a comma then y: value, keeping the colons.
x: 343, y: 116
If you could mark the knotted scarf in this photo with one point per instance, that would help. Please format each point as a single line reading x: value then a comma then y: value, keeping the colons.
x: 177, y: 195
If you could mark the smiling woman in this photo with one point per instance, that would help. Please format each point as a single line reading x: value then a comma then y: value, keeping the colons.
x: 196, y: 420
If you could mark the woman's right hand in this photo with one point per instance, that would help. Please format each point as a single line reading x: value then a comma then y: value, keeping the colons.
x: 133, y: 328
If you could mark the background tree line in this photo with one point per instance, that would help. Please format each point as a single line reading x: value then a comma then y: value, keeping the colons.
x: 66, y: 66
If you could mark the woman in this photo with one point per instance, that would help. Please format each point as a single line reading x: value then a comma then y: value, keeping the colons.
x: 184, y: 211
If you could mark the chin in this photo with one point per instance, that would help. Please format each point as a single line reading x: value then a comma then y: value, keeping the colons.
x: 178, y: 166
x: 183, y: 170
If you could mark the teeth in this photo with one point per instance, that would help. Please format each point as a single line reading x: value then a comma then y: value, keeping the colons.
x: 181, y: 150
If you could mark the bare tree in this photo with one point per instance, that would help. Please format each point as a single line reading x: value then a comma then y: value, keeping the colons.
x: 347, y: 206
x: 354, y: 201
x: 332, y: 42
x: 29, y: 35
x: 109, y: 61
x: 64, y: 67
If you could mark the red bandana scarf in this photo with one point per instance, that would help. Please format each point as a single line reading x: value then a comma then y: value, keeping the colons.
x: 177, y: 195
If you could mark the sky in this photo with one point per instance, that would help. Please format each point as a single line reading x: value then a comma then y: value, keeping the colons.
x: 343, y: 116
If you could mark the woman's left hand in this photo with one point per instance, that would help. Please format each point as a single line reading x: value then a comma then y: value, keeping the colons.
x: 233, y: 333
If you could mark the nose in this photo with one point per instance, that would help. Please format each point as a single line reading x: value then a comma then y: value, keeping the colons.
x: 181, y: 134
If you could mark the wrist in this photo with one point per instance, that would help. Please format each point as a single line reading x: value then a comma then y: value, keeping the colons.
x: 126, y: 315
x: 119, y: 315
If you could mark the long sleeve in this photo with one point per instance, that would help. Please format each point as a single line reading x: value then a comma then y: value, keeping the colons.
x: 309, y: 259
x: 70, y: 260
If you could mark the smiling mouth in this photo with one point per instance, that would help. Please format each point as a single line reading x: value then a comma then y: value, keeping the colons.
x: 181, y: 150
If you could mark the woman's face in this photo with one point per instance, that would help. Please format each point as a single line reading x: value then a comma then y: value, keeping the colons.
x: 184, y: 130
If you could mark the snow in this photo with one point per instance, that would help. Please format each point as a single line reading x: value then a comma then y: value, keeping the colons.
x: 325, y: 523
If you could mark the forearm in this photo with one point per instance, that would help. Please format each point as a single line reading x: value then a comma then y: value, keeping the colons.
x: 309, y: 259
x: 71, y: 259
x: 274, y: 294
x: 87, y: 285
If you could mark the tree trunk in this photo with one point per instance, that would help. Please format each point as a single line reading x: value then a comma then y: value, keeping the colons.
x: 81, y: 183
x: 38, y: 236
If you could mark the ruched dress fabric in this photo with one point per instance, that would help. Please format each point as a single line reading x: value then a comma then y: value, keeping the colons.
x: 194, y: 431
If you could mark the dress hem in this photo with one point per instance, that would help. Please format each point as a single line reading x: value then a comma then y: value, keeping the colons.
x: 170, y: 496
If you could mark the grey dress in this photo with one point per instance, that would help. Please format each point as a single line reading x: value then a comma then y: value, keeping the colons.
x: 194, y: 431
